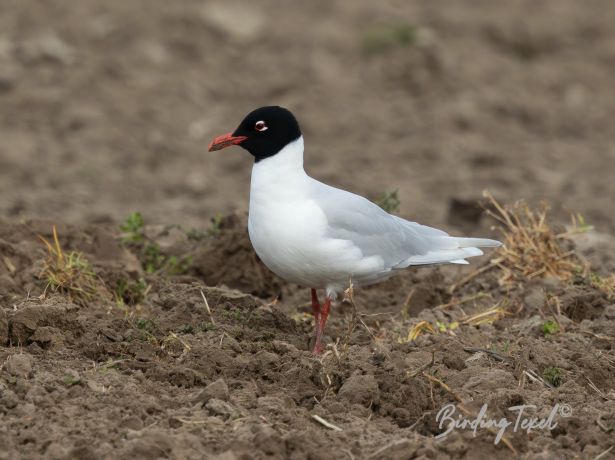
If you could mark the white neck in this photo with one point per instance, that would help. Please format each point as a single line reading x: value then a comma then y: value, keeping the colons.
x: 284, y: 167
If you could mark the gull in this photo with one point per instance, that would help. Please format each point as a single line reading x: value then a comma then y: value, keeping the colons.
x: 319, y: 236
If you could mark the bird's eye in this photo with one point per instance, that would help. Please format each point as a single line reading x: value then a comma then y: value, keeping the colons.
x: 260, y: 126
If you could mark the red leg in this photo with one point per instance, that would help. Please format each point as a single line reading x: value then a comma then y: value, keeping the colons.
x: 320, y: 325
x: 315, y: 306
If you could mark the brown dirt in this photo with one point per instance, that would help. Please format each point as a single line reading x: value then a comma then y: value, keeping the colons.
x: 107, y: 107
x: 163, y: 378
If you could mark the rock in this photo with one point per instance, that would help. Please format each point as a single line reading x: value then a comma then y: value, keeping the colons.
x: 215, y: 390
x: 360, y: 389
x: 19, y: 365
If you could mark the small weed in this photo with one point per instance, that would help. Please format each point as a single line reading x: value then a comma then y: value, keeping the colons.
x: 178, y: 266
x: 389, y: 201
x: 604, y: 284
x: 500, y: 349
x: 133, y: 228
x: 186, y: 329
x: 70, y: 273
x: 553, y: 375
x: 386, y: 36
x: 447, y: 327
x: 155, y: 261
x: 205, y: 326
x: 195, y: 234
x: 131, y: 292
x: 71, y: 380
x: 216, y: 225
x: 550, y: 327
x: 152, y: 258
x: 147, y: 325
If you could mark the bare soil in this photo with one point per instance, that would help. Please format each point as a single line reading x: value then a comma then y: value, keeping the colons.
x: 107, y: 107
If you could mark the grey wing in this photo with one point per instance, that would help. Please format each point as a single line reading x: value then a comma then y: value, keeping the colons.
x: 399, y: 242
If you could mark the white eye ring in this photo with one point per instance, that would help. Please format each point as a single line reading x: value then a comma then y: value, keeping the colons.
x: 261, y: 126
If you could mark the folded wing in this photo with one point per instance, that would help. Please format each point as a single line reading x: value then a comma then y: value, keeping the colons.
x: 399, y: 242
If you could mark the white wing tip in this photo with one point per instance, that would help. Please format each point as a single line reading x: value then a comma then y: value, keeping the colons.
x: 460, y: 262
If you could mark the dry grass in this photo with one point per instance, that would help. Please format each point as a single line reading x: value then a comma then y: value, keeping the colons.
x: 70, y: 273
x: 531, y: 247
x: 486, y: 317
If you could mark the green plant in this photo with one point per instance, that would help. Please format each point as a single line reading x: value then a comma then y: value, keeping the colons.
x: 216, y: 225
x: 178, y: 265
x: 604, y: 284
x: 147, y: 325
x: 150, y: 254
x: 154, y: 261
x: 553, y: 375
x: 186, y: 329
x: 389, y: 201
x: 71, y: 380
x: 133, y: 228
x: 386, y: 36
x: 131, y: 292
x: 195, y: 234
x: 550, y: 327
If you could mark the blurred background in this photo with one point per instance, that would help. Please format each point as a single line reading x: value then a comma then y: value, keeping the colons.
x: 107, y: 107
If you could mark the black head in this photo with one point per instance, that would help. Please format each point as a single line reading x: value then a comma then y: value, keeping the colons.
x: 263, y: 132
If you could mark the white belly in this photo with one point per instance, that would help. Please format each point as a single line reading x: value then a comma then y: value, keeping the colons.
x: 289, y: 239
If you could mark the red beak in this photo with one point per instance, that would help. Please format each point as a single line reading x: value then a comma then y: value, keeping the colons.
x: 225, y: 140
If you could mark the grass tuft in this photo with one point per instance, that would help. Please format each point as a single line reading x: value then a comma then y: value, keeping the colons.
x: 70, y: 273
x: 532, y: 249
